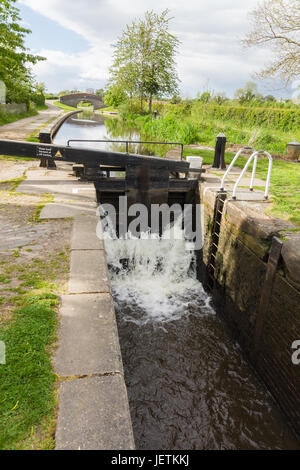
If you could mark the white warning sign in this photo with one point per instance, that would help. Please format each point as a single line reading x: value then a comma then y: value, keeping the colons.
x: 43, y: 152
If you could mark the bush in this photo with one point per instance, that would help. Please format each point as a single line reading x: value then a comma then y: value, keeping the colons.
x: 282, y: 119
x: 115, y: 96
x: 38, y: 98
x: 168, y: 128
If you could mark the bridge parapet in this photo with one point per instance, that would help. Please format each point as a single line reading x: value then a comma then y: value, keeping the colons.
x: 75, y: 98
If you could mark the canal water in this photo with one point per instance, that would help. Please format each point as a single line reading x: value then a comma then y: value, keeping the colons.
x: 188, y: 384
x: 87, y: 125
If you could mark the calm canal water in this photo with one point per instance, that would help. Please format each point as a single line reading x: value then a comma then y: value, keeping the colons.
x: 188, y: 384
x: 88, y: 125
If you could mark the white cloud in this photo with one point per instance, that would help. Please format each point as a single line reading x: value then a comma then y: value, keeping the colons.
x: 210, y: 32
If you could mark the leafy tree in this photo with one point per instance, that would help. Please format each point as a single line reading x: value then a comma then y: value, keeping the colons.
x: 115, y: 96
x: 144, y: 58
x: 220, y: 98
x: 14, y: 58
x: 269, y: 98
x: 246, y: 94
x: 205, y: 97
x: 277, y: 23
x: 176, y: 99
x: 99, y: 92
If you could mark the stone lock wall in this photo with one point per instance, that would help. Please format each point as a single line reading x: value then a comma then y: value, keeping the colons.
x: 241, y: 266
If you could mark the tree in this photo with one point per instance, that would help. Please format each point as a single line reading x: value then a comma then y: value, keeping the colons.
x: 220, y: 98
x: 99, y: 92
x: 277, y: 23
x: 40, y: 87
x: 14, y: 58
x: 144, y: 58
x: 115, y: 96
x: 269, y: 98
x: 246, y: 94
x: 205, y: 97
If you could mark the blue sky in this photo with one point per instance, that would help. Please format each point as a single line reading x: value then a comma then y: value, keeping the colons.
x: 77, y: 36
x: 48, y: 34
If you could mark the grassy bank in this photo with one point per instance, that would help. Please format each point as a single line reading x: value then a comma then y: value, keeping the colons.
x: 285, y: 182
x: 65, y: 107
x: 27, y: 385
x: 263, y: 128
x: 29, y: 289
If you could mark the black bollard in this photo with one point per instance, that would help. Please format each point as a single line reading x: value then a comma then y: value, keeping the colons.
x: 219, y: 160
x: 155, y: 114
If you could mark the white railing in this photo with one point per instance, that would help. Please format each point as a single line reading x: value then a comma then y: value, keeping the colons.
x: 254, y: 156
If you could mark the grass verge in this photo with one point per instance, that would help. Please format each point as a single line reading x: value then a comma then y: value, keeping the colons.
x: 65, y: 107
x: 27, y: 381
x: 202, y: 128
x: 29, y: 289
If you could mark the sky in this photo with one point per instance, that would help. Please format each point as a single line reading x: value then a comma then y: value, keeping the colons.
x: 77, y: 37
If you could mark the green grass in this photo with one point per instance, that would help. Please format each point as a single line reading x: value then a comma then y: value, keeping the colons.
x: 194, y: 126
x: 109, y: 109
x: 26, y: 389
x: 8, y: 118
x: 65, y: 107
x: 9, y: 158
x: 27, y: 381
x: 34, y: 136
x: 285, y: 182
x: 41, y: 107
x: 13, y: 183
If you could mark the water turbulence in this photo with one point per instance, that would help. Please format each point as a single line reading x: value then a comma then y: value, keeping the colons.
x: 157, y: 276
x: 188, y: 385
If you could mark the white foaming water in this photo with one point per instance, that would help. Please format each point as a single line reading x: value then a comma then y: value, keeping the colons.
x: 159, y: 279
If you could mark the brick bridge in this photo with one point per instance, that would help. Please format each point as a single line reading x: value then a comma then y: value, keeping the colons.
x: 75, y: 98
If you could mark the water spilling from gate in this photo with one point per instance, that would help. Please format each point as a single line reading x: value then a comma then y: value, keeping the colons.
x: 188, y: 385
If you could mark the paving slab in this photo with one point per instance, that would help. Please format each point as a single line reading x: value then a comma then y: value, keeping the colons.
x: 89, y: 342
x: 87, y: 233
x: 88, y: 272
x: 65, y: 210
x: 94, y: 415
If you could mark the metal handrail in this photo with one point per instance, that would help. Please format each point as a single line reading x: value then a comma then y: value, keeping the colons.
x: 255, y: 157
x: 127, y: 142
x: 231, y: 165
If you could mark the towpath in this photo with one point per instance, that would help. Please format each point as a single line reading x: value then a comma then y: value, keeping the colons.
x: 21, y: 129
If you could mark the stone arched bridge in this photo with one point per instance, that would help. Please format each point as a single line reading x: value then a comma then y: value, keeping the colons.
x: 75, y: 98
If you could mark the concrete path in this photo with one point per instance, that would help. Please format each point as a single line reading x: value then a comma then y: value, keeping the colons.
x: 19, y: 130
x: 93, y: 410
